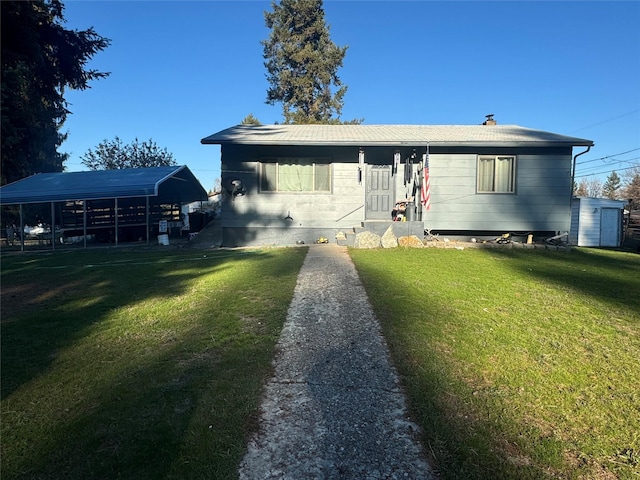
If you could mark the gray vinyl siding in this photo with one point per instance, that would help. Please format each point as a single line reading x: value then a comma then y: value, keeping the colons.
x: 331, y: 210
x: 541, y: 201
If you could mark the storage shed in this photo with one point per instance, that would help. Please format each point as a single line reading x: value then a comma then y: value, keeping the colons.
x: 596, y: 222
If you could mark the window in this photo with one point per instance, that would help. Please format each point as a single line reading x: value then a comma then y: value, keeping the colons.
x: 295, y: 175
x: 496, y: 174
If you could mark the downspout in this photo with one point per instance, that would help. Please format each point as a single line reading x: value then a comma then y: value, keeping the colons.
x: 573, y: 171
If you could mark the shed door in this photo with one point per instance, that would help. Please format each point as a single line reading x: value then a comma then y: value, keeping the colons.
x: 610, y: 227
x: 379, y: 196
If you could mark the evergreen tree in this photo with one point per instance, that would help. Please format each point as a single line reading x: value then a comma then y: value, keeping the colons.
x: 611, y: 186
x: 250, y: 120
x: 302, y: 63
x: 114, y: 155
x: 40, y: 59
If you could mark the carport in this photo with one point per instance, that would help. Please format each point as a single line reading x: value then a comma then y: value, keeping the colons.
x: 111, y: 201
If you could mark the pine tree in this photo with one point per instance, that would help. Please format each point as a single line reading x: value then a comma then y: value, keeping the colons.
x: 250, y: 120
x: 302, y: 63
x: 40, y: 59
x: 611, y: 186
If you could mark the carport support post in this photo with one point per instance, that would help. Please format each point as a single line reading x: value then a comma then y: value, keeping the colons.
x: 53, y: 226
x: 21, y: 230
x: 147, y: 216
x: 115, y: 212
x: 84, y: 222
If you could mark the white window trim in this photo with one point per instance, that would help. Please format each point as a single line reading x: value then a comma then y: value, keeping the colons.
x: 512, y: 179
x: 295, y: 161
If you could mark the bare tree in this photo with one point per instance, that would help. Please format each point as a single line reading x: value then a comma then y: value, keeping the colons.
x: 589, y: 188
x: 631, y: 189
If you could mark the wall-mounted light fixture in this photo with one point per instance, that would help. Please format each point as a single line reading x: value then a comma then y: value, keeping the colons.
x: 237, y: 189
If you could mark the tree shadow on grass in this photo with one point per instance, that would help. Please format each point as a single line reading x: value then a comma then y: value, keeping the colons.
x: 51, y: 301
x: 464, y: 439
x: 432, y: 316
x: 179, y: 408
x: 613, y: 277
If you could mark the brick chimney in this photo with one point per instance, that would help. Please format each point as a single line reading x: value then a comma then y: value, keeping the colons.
x: 489, y: 120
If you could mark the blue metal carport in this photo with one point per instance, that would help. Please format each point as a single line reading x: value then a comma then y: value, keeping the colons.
x: 160, y: 185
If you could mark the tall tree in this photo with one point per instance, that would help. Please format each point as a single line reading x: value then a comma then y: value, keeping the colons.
x: 302, y: 63
x: 611, y: 186
x: 114, y: 155
x: 631, y: 189
x: 40, y: 59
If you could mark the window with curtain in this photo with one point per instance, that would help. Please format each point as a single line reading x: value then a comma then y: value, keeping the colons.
x: 496, y: 174
x: 295, y: 175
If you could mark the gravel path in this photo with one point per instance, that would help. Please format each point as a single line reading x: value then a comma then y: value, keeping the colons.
x: 334, y: 408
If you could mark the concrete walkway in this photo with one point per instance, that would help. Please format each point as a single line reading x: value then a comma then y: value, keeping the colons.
x: 334, y: 408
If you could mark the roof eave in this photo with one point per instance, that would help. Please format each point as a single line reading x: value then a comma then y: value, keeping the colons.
x: 407, y: 143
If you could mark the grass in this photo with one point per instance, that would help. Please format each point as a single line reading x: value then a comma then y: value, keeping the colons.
x: 140, y: 365
x: 518, y: 364
x: 147, y: 364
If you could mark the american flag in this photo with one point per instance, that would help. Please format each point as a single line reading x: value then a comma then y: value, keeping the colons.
x: 425, y: 191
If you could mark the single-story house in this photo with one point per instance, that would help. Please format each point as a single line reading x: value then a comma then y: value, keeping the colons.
x: 108, y: 205
x: 596, y: 222
x: 287, y: 184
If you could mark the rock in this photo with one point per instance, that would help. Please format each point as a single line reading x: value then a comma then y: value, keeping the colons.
x: 367, y: 240
x: 410, y: 241
x: 389, y: 239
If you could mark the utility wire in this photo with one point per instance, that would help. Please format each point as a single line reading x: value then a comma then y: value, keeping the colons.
x: 609, y: 164
x: 605, y: 121
x: 608, y: 156
x: 608, y: 171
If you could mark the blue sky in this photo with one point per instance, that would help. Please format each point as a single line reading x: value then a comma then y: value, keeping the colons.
x: 182, y: 70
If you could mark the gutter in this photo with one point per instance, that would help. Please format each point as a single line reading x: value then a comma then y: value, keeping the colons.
x: 573, y: 170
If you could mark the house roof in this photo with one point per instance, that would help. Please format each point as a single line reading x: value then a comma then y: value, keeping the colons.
x: 176, y: 182
x: 391, y: 135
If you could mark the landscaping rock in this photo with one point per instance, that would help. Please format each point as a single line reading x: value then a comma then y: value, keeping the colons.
x: 410, y: 241
x: 367, y: 240
x: 389, y: 239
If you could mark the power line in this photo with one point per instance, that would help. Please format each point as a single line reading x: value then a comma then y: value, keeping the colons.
x: 605, y: 121
x: 610, y: 164
x: 608, y: 156
x: 608, y: 171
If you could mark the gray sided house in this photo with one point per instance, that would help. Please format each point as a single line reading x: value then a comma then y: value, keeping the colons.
x: 298, y: 183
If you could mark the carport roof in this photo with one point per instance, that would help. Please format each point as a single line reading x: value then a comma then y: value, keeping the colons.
x: 175, y: 183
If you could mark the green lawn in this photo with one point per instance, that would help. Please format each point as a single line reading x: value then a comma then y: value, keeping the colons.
x: 148, y: 364
x: 137, y: 365
x: 518, y: 364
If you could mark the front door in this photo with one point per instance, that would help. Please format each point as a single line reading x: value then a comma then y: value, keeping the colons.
x: 380, y: 192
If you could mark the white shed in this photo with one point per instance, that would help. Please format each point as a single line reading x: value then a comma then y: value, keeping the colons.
x: 596, y: 222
